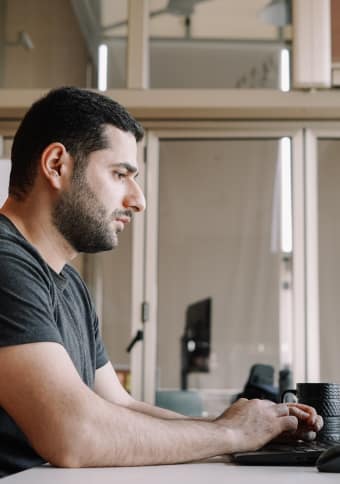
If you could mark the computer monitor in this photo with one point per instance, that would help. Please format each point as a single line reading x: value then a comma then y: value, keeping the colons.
x: 195, y: 342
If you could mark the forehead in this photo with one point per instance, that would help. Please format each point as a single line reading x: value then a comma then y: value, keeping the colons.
x: 121, y: 143
x: 121, y: 147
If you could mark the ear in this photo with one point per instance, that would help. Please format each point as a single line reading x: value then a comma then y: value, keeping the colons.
x: 56, y: 165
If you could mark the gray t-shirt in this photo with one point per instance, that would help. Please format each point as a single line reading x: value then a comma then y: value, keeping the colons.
x: 36, y: 305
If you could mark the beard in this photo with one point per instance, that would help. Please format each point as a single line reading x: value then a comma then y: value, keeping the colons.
x: 83, y: 221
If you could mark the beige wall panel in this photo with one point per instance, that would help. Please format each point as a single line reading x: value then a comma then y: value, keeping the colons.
x: 199, y: 104
x: 335, y: 26
x: 329, y: 260
x: 59, y: 56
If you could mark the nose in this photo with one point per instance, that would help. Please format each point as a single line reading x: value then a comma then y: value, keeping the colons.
x: 135, y: 199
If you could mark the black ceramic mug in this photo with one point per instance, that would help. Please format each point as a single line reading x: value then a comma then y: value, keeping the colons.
x: 325, y: 398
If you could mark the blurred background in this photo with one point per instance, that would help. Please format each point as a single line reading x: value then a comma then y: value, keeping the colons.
x: 235, y: 262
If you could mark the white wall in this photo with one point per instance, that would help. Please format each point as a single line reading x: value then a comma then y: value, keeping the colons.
x: 5, y: 167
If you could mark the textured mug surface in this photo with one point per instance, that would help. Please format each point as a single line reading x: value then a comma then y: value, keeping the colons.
x: 325, y: 398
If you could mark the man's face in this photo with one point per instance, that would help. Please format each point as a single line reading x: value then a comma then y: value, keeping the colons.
x: 103, y: 199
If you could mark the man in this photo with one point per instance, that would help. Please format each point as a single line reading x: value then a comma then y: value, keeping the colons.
x: 72, y: 189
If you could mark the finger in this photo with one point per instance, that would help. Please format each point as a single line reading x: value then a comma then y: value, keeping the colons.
x: 314, y: 421
x: 318, y: 423
x: 299, y: 413
x: 307, y: 408
x: 305, y: 424
x: 309, y: 415
x: 289, y: 424
x: 282, y: 409
x: 308, y: 436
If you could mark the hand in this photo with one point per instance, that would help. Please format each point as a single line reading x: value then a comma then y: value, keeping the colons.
x: 309, y: 423
x: 253, y: 423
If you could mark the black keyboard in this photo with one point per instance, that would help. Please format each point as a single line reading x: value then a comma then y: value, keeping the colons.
x: 299, y: 446
x: 299, y: 453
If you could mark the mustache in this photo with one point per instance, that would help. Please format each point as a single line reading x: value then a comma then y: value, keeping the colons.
x: 123, y: 213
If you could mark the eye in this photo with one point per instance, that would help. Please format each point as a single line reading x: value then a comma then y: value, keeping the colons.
x: 120, y: 175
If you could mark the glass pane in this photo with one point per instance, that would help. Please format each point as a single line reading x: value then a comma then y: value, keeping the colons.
x: 329, y: 260
x: 215, y: 241
x: 216, y: 44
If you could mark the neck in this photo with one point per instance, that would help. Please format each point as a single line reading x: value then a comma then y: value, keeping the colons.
x: 35, y: 224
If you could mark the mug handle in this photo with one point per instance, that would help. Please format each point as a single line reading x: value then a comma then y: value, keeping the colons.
x: 289, y: 396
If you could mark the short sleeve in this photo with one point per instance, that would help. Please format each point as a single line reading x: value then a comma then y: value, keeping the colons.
x: 26, y: 303
x: 98, y: 351
x: 101, y: 355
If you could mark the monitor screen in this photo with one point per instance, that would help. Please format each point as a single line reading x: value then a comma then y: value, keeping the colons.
x: 195, y: 341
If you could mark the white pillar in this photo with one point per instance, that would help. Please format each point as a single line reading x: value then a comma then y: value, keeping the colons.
x: 138, y: 45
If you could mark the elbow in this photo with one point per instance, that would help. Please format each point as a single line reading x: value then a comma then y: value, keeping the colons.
x: 63, y: 456
x: 69, y: 450
x: 66, y: 461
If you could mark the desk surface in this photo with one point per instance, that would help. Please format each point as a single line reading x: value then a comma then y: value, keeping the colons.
x: 203, y: 472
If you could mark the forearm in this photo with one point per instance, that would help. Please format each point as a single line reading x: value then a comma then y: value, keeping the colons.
x: 159, y: 412
x: 119, y: 436
x: 92, y: 432
x: 147, y: 409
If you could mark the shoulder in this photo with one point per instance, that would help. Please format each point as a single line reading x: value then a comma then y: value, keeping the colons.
x: 74, y: 277
x: 77, y: 285
x: 18, y: 256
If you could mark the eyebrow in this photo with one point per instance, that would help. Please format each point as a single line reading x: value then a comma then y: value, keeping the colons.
x: 127, y: 166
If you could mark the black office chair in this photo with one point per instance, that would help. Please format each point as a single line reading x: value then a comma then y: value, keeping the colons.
x: 260, y: 384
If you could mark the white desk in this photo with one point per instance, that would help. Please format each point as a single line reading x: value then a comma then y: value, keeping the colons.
x: 200, y: 473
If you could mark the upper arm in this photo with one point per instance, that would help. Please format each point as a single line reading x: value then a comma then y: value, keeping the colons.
x: 44, y: 394
x: 108, y: 386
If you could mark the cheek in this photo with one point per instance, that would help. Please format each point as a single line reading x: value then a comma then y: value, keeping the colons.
x: 108, y: 191
x: 111, y: 194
